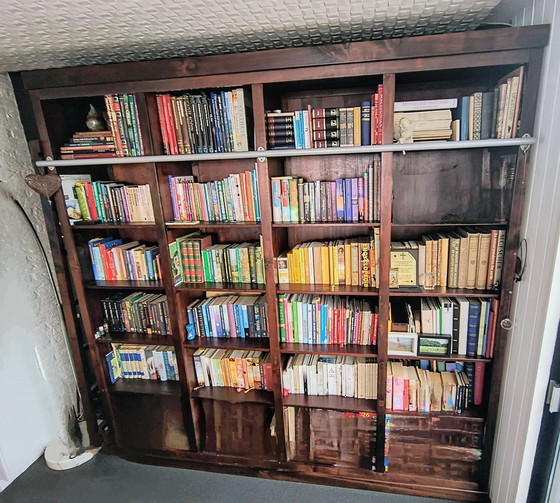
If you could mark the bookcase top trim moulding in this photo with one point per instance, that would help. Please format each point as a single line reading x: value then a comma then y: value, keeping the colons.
x: 395, y: 147
x: 431, y: 46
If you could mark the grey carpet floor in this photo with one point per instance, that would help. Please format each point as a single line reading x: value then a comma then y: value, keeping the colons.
x: 109, y: 479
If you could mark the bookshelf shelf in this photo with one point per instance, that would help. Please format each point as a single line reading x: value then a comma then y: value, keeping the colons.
x: 100, y: 226
x: 326, y: 289
x: 232, y: 395
x: 409, y: 147
x: 248, y: 343
x: 125, y: 285
x: 133, y: 338
x: 411, y: 190
x: 146, y: 387
x: 221, y: 287
x: 440, y: 291
x: 330, y: 402
x: 328, y: 349
x: 327, y: 225
x: 452, y: 357
x: 213, y: 225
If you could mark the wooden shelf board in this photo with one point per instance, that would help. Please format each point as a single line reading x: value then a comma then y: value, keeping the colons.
x: 330, y: 402
x: 232, y: 395
x: 442, y: 291
x: 135, y: 338
x: 327, y: 224
x: 146, y: 387
x: 473, y: 412
x: 500, y: 223
x: 326, y: 289
x: 452, y: 357
x: 221, y: 287
x: 249, y: 343
x: 328, y: 349
x: 212, y: 225
x: 101, y: 226
x: 125, y: 285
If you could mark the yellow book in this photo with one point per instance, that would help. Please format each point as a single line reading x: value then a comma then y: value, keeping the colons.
x: 325, y: 265
x: 304, y: 258
x: 347, y: 262
x: 333, y: 262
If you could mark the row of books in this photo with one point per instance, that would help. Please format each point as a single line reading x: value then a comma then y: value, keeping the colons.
x: 493, y: 113
x: 141, y: 312
x: 471, y: 323
x: 469, y: 258
x: 341, y: 200
x: 228, y: 316
x: 114, y: 202
x: 326, y: 319
x: 89, y: 144
x: 327, y: 127
x: 234, y: 263
x: 114, y: 260
x: 131, y: 361
x: 351, y: 261
x: 197, y: 123
x: 233, y: 368
x: 124, y: 124
x: 415, y: 389
x: 233, y: 199
x: 317, y: 375
x: 186, y: 257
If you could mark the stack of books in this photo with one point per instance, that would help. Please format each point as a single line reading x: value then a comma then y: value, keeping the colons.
x: 114, y: 260
x: 326, y: 319
x: 233, y: 199
x: 197, y: 123
x: 89, y: 145
x: 140, y: 312
x: 317, y: 375
x: 228, y: 316
x: 351, y: 261
x: 423, y: 120
x: 125, y: 125
x: 342, y: 200
x: 233, y: 368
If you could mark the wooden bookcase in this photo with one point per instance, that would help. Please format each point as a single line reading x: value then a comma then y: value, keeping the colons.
x: 179, y: 424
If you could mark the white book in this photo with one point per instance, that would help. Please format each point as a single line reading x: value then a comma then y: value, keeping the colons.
x: 441, y: 104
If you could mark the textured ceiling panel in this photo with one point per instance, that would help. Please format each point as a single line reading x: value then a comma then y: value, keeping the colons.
x: 38, y: 34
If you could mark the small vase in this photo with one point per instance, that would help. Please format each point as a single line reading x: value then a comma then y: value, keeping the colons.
x: 93, y: 120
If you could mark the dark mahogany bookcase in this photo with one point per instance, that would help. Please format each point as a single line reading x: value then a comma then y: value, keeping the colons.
x: 180, y: 424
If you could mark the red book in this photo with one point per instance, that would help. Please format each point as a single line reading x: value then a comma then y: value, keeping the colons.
x: 479, y: 370
x: 170, y: 125
x: 492, y: 325
x: 162, y: 124
x: 90, y: 199
x: 90, y: 155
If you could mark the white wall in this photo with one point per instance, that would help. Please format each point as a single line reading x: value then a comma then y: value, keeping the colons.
x: 37, y: 383
x: 536, y: 306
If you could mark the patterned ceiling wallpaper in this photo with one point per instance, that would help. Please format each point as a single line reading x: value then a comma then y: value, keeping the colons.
x: 38, y: 34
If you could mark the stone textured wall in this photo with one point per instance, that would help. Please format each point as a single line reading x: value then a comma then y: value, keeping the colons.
x: 37, y: 379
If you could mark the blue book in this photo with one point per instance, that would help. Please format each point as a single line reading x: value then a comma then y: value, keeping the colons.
x: 339, y: 199
x: 347, y: 199
x: 474, y: 324
x: 366, y: 122
x: 113, y: 366
x: 323, y: 339
x: 464, y: 107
